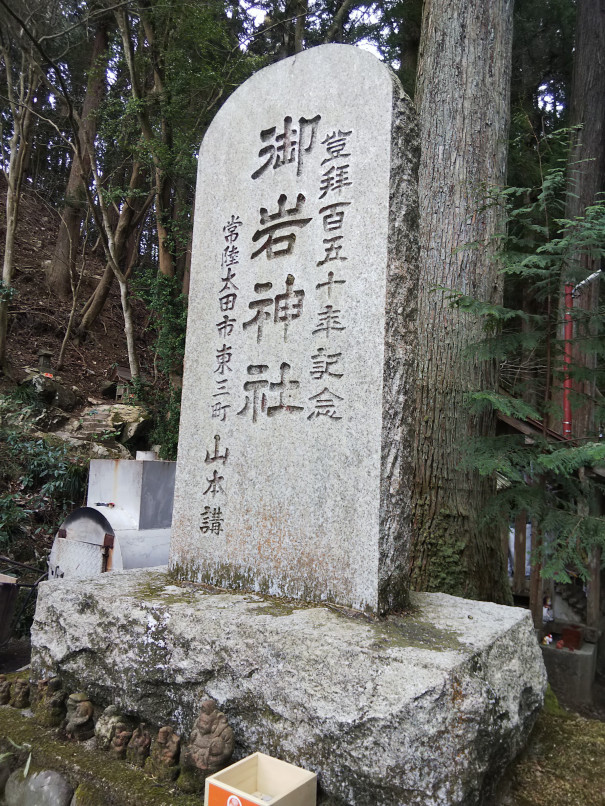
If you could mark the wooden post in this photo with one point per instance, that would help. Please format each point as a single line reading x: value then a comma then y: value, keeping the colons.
x: 535, y: 580
x: 520, y: 549
x: 593, y: 594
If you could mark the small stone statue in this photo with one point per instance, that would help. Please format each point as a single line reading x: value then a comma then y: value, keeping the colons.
x: 106, y: 726
x: 119, y: 744
x: 138, y: 747
x: 209, y: 748
x: 50, y: 703
x: 36, y: 692
x: 79, y: 723
x: 5, y: 690
x: 163, y: 763
x: 20, y: 694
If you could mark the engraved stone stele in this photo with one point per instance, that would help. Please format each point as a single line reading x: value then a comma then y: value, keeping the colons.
x: 294, y: 459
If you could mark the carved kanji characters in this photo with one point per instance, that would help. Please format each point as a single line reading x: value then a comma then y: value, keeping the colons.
x: 230, y: 229
x: 330, y: 283
x: 230, y: 256
x: 228, y: 282
x: 219, y: 411
x: 256, y: 387
x: 221, y: 386
x: 257, y: 402
x: 335, y: 144
x: 261, y: 307
x: 285, y: 241
x: 325, y: 403
x: 288, y: 306
x: 212, y: 520
x: 227, y: 301
x: 217, y: 457
x: 328, y: 321
x: 323, y: 363
x: 333, y: 215
x: 214, y: 484
x: 225, y: 326
x: 334, y: 179
x: 288, y: 146
x: 223, y: 357
x: 287, y: 391
x: 332, y: 247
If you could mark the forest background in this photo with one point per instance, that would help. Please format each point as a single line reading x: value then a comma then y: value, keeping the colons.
x: 103, y: 105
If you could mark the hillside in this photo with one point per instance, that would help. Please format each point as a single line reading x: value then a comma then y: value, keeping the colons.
x: 38, y: 318
x: 42, y: 480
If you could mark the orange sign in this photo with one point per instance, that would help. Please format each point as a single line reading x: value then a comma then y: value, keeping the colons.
x: 220, y: 797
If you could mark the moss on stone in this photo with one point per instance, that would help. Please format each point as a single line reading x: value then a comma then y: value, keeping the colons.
x: 115, y: 782
x: 412, y: 631
x: 88, y: 795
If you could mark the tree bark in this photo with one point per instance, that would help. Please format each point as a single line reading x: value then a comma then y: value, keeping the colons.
x: 462, y: 94
x: 62, y: 265
x: 128, y: 220
x: 21, y: 98
x: 586, y: 178
x: 156, y: 145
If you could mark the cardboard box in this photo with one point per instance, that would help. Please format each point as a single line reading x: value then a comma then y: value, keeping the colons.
x: 261, y: 780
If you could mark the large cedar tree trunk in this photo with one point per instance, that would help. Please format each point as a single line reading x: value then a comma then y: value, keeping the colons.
x: 462, y: 95
x: 586, y: 182
x: 62, y: 265
x: 587, y: 178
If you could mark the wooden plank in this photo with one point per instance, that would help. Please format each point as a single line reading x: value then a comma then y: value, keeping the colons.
x: 593, y: 593
x: 519, y: 585
x: 536, y: 587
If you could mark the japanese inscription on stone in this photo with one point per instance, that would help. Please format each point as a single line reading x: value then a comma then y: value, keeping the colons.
x: 279, y: 474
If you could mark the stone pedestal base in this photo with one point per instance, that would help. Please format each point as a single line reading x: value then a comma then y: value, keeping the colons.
x: 571, y: 674
x: 421, y: 709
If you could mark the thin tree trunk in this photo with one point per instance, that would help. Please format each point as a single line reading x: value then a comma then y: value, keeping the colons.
x: 75, y: 291
x: 462, y: 95
x: 128, y: 220
x: 162, y: 186
x: 21, y: 109
x: 62, y: 266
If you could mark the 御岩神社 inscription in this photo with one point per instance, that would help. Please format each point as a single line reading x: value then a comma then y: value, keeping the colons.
x: 295, y: 446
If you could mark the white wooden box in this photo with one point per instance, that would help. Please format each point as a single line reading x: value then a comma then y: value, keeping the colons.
x: 260, y: 780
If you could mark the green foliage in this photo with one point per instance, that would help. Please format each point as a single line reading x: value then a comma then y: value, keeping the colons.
x: 168, y: 306
x: 12, y: 516
x: 7, y: 292
x: 42, y: 482
x: 557, y: 482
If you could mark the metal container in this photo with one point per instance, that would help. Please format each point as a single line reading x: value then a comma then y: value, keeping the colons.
x: 126, y: 523
x: 8, y: 599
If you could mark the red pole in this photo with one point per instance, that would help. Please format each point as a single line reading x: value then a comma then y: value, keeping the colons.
x: 567, y: 360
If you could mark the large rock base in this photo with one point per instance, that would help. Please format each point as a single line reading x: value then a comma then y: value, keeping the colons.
x: 421, y: 709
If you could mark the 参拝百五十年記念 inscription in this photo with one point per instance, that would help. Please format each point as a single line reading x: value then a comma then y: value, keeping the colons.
x: 294, y: 439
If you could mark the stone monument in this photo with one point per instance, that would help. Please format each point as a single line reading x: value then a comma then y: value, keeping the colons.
x: 292, y: 480
x: 294, y: 454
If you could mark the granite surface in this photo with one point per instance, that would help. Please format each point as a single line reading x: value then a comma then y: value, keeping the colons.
x: 294, y: 456
x: 424, y: 709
